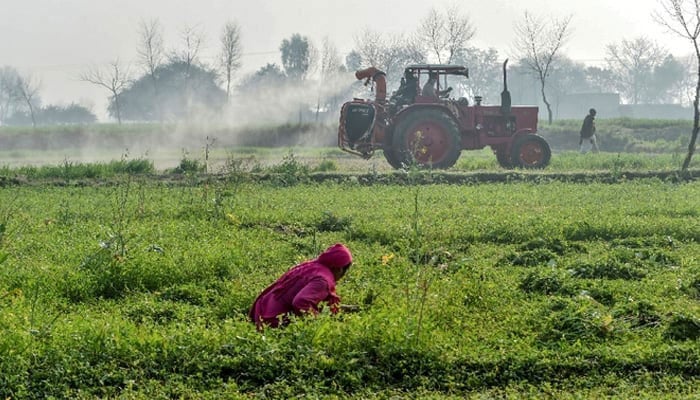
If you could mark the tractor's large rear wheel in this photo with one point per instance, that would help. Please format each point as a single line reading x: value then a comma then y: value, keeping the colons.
x: 530, y: 151
x: 428, y: 139
x: 390, y: 154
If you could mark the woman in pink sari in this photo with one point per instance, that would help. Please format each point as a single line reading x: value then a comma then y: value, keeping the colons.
x: 301, y: 289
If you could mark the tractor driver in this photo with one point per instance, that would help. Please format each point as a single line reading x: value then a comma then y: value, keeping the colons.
x: 429, y: 89
x: 406, y: 94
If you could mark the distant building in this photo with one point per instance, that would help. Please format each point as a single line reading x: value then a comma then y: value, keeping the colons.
x: 656, y: 111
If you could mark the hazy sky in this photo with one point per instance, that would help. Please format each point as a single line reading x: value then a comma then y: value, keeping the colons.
x: 55, y: 40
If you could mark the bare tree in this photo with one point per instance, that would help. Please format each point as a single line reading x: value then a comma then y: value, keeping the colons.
x: 114, y: 78
x: 682, y: 17
x: 459, y: 31
x: 389, y: 53
x: 151, y: 54
x: 192, y: 44
x: 537, y: 44
x: 231, y: 52
x: 431, y: 33
x: 445, y: 34
x: 329, y: 66
x: 28, y: 88
x: 632, y: 63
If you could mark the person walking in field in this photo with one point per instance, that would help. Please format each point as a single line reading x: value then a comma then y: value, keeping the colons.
x: 302, y: 289
x: 587, y: 140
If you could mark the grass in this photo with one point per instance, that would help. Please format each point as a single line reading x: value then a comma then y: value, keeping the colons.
x: 535, y: 289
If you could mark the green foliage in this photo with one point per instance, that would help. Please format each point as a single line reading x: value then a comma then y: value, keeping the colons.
x: 163, y: 312
x: 529, y: 258
x: 683, y: 327
x: 326, y: 166
x: 639, y: 314
x: 609, y: 268
x: 549, y: 282
x: 290, y: 170
x: 333, y: 223
x: 190, y: 166
x: 578, y: 319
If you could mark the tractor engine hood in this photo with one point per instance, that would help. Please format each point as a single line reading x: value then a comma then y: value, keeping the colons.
x: 378, y: 77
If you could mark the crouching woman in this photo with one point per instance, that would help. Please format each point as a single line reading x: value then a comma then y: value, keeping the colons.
x: 300, y: 290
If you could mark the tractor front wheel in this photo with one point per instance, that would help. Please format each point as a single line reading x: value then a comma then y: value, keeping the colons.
x: 428, y: 139
x: 530, y: 151
x: 503, y: 158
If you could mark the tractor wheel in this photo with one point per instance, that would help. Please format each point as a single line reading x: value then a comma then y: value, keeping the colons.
x: 428, y: 139
x: 503, y: 158
x: 390, y: 154
x: 530, y: 151
x: 392, y: 158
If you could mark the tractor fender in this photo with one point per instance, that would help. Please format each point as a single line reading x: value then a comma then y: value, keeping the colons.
x: 525, y: 131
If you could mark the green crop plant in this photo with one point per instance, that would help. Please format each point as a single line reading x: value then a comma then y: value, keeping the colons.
x: 441, y: 314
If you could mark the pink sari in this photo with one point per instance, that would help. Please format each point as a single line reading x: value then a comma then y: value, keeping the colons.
x: 301, y: 289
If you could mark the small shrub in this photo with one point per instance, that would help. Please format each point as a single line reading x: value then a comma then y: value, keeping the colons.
x: 578, y: 319
x: 326, y: 165
x: 188, y: 165
x: 606, y: 269
x: 549, y: 282
x: 682, y: 327
x: 639, y: 314
x: 150, y: 311
x: 192, y: 293
x: 333, y: 223
x: 692, y: 288
x: 555, y: 245
x: 530, y: 258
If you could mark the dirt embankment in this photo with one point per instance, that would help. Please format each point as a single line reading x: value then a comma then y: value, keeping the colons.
x: 394, y: 178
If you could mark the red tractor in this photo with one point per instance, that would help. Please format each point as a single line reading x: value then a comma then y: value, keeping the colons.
x: 413, y: 128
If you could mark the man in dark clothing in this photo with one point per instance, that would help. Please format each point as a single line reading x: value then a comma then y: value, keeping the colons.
x: 588, y: 139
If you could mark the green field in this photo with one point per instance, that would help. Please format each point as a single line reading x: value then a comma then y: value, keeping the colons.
x: 116, y: 282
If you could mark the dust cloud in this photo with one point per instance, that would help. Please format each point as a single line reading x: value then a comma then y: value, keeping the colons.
x: 303, y: 114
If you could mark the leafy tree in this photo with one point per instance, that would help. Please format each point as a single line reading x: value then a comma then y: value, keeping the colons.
x: 538, y: 44
x: 70, y: 114
x: 484, y: 73
x: 182, y: 87
x: 353, y: 61
x: 9, y: 95
x: 599, y: 80
x: 54, y: 115
x: 682, y: 18
x: 632, y: 63
x: 268, y: 77
x: 296, y: 56
x: 668, y: 77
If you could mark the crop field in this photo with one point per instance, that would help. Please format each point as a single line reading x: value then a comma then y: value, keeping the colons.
x: 116, y: 283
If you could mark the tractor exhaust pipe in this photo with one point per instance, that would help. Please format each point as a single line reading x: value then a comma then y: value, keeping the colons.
x: 377, y: 76
x: 505, y: 94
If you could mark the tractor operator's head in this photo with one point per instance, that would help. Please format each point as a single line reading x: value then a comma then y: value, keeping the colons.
x: 433, y: 76
x: 592, y: 111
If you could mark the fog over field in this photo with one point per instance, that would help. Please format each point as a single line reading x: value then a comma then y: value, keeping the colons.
x: 56, y: 41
